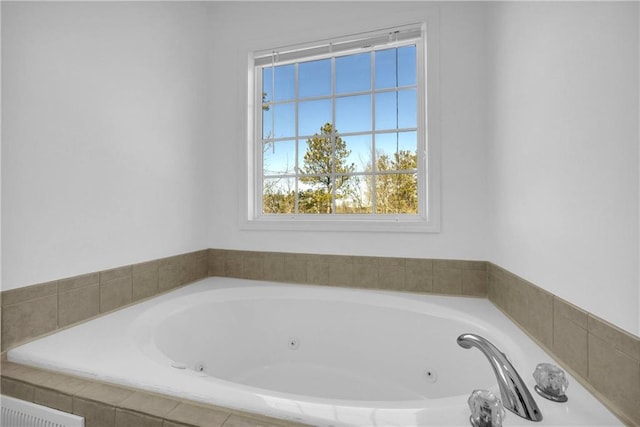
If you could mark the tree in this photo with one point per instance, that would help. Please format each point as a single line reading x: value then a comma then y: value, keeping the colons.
x: 396, y: 192
x: 325, y: 163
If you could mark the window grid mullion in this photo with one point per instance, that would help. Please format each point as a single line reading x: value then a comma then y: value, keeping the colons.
x: 332, y: 136
x: 373, y: 134
x: 296, y: 198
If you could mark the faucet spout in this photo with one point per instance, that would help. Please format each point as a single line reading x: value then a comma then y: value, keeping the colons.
x: 515, y: 394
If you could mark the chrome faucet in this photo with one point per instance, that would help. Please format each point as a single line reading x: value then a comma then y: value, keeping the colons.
x: 515, y: 394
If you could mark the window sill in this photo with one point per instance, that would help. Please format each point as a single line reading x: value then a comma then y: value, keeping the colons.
x: 387, y: 225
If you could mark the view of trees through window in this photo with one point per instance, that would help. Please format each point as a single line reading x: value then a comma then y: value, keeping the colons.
x: 339, y: 134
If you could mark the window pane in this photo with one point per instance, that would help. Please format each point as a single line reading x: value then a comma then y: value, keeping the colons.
x: 355, y: 197
x: 358, y: 156
x: 386, y: 111
x: 353, y: 114
x: 314, y: 194
x: 267, y: 90
x: 406, y: 66
x: 278, y: 195
x: 316, y: 153
x: 278, y: 157
x: 385, y: 68
x: 408, y: 141
x: 396, y: 151
x: 397, y: 194
x: 267, y: 123
x: 284, y: 120
x: 353, y: 73
x: 284, y: 88
x: 312, y: 116
x: 314, y: 78
x: 407, y: 109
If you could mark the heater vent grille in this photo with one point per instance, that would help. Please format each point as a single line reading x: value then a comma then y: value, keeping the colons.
x: 19, y: 413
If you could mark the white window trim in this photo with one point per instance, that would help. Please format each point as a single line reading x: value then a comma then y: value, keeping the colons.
x: 428, y: 222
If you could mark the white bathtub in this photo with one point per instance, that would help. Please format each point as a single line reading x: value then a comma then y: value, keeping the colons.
x: 324, y: 356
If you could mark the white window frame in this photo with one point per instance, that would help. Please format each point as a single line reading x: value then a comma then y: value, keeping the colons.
x: 428, y: 218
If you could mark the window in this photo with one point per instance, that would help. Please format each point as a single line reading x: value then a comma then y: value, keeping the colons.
x: 340, y: 131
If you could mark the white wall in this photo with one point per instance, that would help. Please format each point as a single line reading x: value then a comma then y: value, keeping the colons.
x: 563, y: 144
x: 122, y: 137
x: 252, y: 26
x: 105, y: 126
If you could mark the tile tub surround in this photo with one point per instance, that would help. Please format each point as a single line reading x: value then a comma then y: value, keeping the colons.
x: 36, y: 310
x: 604, y: 358
x: 445, y: 277
x: 106, y: 405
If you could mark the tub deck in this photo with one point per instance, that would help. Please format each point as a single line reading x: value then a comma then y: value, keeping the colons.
x: 53, y: 352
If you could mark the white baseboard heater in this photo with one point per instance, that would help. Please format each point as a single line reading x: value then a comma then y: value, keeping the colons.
x: 19, y: 413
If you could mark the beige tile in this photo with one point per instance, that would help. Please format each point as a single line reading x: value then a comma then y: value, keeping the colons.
x: 253, y: 266
x: 78, y: 304
x: 621, y: 340
x: 569, y: 311
x: 126, y: 418
x: 105, y: 393
x: 338, y: 259
x: 540, y: 319
x: 115, y: 273
x: 365, y: 275
x: 197, y: 415
x: 295, y: 268
x: 148, y: 403
x: 15, y: 371
x: 615, y: 375
x: 474, y: 283
x: 317, y: 272
x: 17, y: 389
x: 115, y: 293
x: 447, y: 264
x: 233, y: 264
x: 418, y: 275
x: 447, y: 282
x: 168, y: 273
x: 27, y: 293
x: 216, y: 262
x: 95, y: 414
x: 52, y: 380
x: 516, y: 300
x: 390, y: 262
x: 474, y: 265
x: 78, y: 282
x: 239, y: 421
x: 144, y: 280
x: 53, y: 399
x: 570, y: 344
x: 28, y: 320
x: 166, y: 423
x: 391, y: 274
x: 188, y: 264
x: 274, y: 267
x: 202, y: 264
x: 340, y: 274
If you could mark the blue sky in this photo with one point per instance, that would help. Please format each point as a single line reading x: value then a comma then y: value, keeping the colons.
x: 392, y: 68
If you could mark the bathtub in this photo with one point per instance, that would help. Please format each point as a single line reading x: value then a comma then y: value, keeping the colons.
x: 318, y: 355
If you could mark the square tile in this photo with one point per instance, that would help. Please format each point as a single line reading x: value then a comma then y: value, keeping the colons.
x: 78, y: 304
x: 115, y: 293
x: 29, y: 319
x: 197, y: 415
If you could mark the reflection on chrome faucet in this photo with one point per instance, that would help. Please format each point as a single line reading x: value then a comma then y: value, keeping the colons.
x: 515, y: 394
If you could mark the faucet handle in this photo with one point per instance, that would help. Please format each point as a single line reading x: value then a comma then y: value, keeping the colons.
x: 486, y: 409
x: 551, y: 382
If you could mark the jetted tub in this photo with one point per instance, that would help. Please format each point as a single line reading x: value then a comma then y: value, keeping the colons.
x: 318, y: 355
